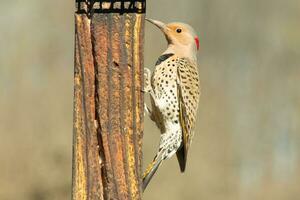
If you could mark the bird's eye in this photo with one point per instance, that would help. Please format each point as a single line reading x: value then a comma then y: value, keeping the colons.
x: 178, y: 30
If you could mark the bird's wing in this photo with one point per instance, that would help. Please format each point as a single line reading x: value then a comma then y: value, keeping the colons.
x: 188, y: 88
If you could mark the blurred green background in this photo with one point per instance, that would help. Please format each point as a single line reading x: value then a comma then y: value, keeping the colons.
x: 246, y: 145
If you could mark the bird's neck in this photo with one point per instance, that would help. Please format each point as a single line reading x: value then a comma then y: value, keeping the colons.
x: 182, y: 51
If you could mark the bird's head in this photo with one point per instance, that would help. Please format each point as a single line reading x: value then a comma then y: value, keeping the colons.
x: 179, y: 34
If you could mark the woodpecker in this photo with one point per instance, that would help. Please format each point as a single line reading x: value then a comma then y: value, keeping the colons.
x: 174, y: 90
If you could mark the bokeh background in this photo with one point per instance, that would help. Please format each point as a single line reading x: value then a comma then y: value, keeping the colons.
x: 247, y: 141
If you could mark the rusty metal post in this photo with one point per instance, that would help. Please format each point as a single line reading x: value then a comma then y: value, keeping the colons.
x: 108, y: 100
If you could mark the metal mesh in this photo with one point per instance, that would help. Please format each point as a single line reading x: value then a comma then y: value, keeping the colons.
x: 112, y: 6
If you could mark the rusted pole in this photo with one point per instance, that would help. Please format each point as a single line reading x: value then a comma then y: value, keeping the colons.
x: 108, y: 100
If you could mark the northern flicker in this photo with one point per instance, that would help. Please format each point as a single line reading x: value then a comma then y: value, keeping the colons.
x: 174, y: 90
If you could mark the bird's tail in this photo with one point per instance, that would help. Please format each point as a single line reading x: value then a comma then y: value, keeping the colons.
x: 151, y: 169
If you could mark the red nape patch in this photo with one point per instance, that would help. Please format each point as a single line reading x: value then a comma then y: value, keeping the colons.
x: 197, y: 43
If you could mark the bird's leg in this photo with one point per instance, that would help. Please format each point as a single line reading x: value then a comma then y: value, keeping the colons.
x: 148, y: 88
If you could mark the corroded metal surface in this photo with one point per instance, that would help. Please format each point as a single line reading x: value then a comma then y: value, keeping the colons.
x: 86, y: 170
x: 108, y: 106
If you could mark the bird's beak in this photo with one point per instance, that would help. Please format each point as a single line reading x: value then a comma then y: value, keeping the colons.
x: 162, y: 26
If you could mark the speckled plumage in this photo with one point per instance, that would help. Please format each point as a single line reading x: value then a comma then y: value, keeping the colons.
x: 174, y: 91
x: 175, y: 97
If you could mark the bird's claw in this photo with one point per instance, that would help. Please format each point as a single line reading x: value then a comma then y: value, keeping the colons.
x: 147, y: 72
x: 147, y: 110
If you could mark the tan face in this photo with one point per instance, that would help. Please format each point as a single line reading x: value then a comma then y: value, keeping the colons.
x: 181, y: 34
x: 178, y: 33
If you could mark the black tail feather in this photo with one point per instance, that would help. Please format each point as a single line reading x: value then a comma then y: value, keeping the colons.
x: 181, y: 159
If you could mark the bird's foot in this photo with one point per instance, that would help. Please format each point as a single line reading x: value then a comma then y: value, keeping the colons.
x: 147, y: 78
